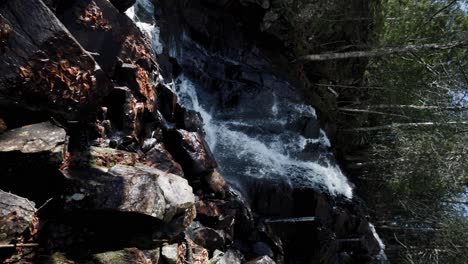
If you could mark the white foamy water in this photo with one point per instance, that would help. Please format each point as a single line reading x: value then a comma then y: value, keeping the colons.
x: 147, y: 27
x: 189, y: 98
x: 382, y: 257
x: 264, y: 156
x: 255, y: 148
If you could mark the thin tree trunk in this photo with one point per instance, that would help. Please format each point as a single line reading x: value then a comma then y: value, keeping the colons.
x: 418, y: 107
x: 19, y: 245
x: 406, y: 125
x: 379, y: 52
x: 352, y: 110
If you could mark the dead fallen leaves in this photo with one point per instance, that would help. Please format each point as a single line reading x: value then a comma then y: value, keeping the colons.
x: 137, y: 49
x: 94, y: 18
x: 57, y: 77
x: 146, y: 88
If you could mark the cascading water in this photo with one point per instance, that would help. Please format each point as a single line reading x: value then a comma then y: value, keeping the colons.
x: 142, y: 13
x: 256, y: 124
x: 253, y: 143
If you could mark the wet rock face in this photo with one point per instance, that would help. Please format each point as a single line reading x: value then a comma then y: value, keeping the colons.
x: 236, y: 52
x: 192, y: 151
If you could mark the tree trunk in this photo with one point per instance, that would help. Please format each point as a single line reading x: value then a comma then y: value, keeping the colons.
x: 416, y: 107
x: 406, y: 125
x: 379, y: 52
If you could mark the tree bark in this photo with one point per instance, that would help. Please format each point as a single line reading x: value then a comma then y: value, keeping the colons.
x: 406, y: 125
x: 379, y: 52
x: 416, y: 107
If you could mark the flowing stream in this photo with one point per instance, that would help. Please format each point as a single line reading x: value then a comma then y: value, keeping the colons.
x: 257, y: 138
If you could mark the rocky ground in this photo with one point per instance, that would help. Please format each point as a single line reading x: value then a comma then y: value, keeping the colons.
x: 101, y: 164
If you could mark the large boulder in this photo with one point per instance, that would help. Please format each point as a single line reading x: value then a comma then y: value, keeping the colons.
x: 137, y: 188
x: 191, y: 151
x: 44, y: 139
x: 158, y: 157
x: 16, y: 215
x: 170, y: 253
x: 30, y: 157
x: 46, y: 69
x: 206, y: 237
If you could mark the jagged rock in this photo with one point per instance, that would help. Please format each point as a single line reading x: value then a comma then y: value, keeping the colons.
x: 170, y: 253
x: 30, y: 158
x: 199, y: 254
x: 191, y: 151
x: 210, y: 210
x: 16, y: 215
x: 273, y: 197
x: 311, y: 128
x: 207, y: 237
x: 122, y: 5
x: 188, y: 120
x: 167, y: 102
x: 217, y: 255
x: 110, y: 34
x: 239, y: 208
x: 46, y: 69
x: 219, y: 215
x: 129, y: 255
x: 148, y: 144
x: 124, y: 111
x: 232, y: 257
x: 126, y: 74
x: 158, y: 157
x: 215, y: 181
x: 262, y: 260
x: 193, y: 121
x: 137, y: 188
x: 43, y: 138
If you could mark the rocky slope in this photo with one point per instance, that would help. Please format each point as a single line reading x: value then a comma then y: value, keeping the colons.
x: 102, y: 163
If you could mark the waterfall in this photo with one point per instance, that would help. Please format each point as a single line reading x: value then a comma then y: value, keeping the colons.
x: 242, y: 154
x: 246, y: 148
x: 142, y: 13
x: 381, y: 257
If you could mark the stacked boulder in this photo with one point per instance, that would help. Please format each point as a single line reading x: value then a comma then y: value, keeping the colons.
x: 91, y: 168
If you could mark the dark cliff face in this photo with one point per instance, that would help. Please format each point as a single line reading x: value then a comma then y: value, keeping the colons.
x: 118, y: 170
x: 240, y: 69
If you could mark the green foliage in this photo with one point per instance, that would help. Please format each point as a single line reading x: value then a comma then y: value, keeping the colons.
x: 413, y: 176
